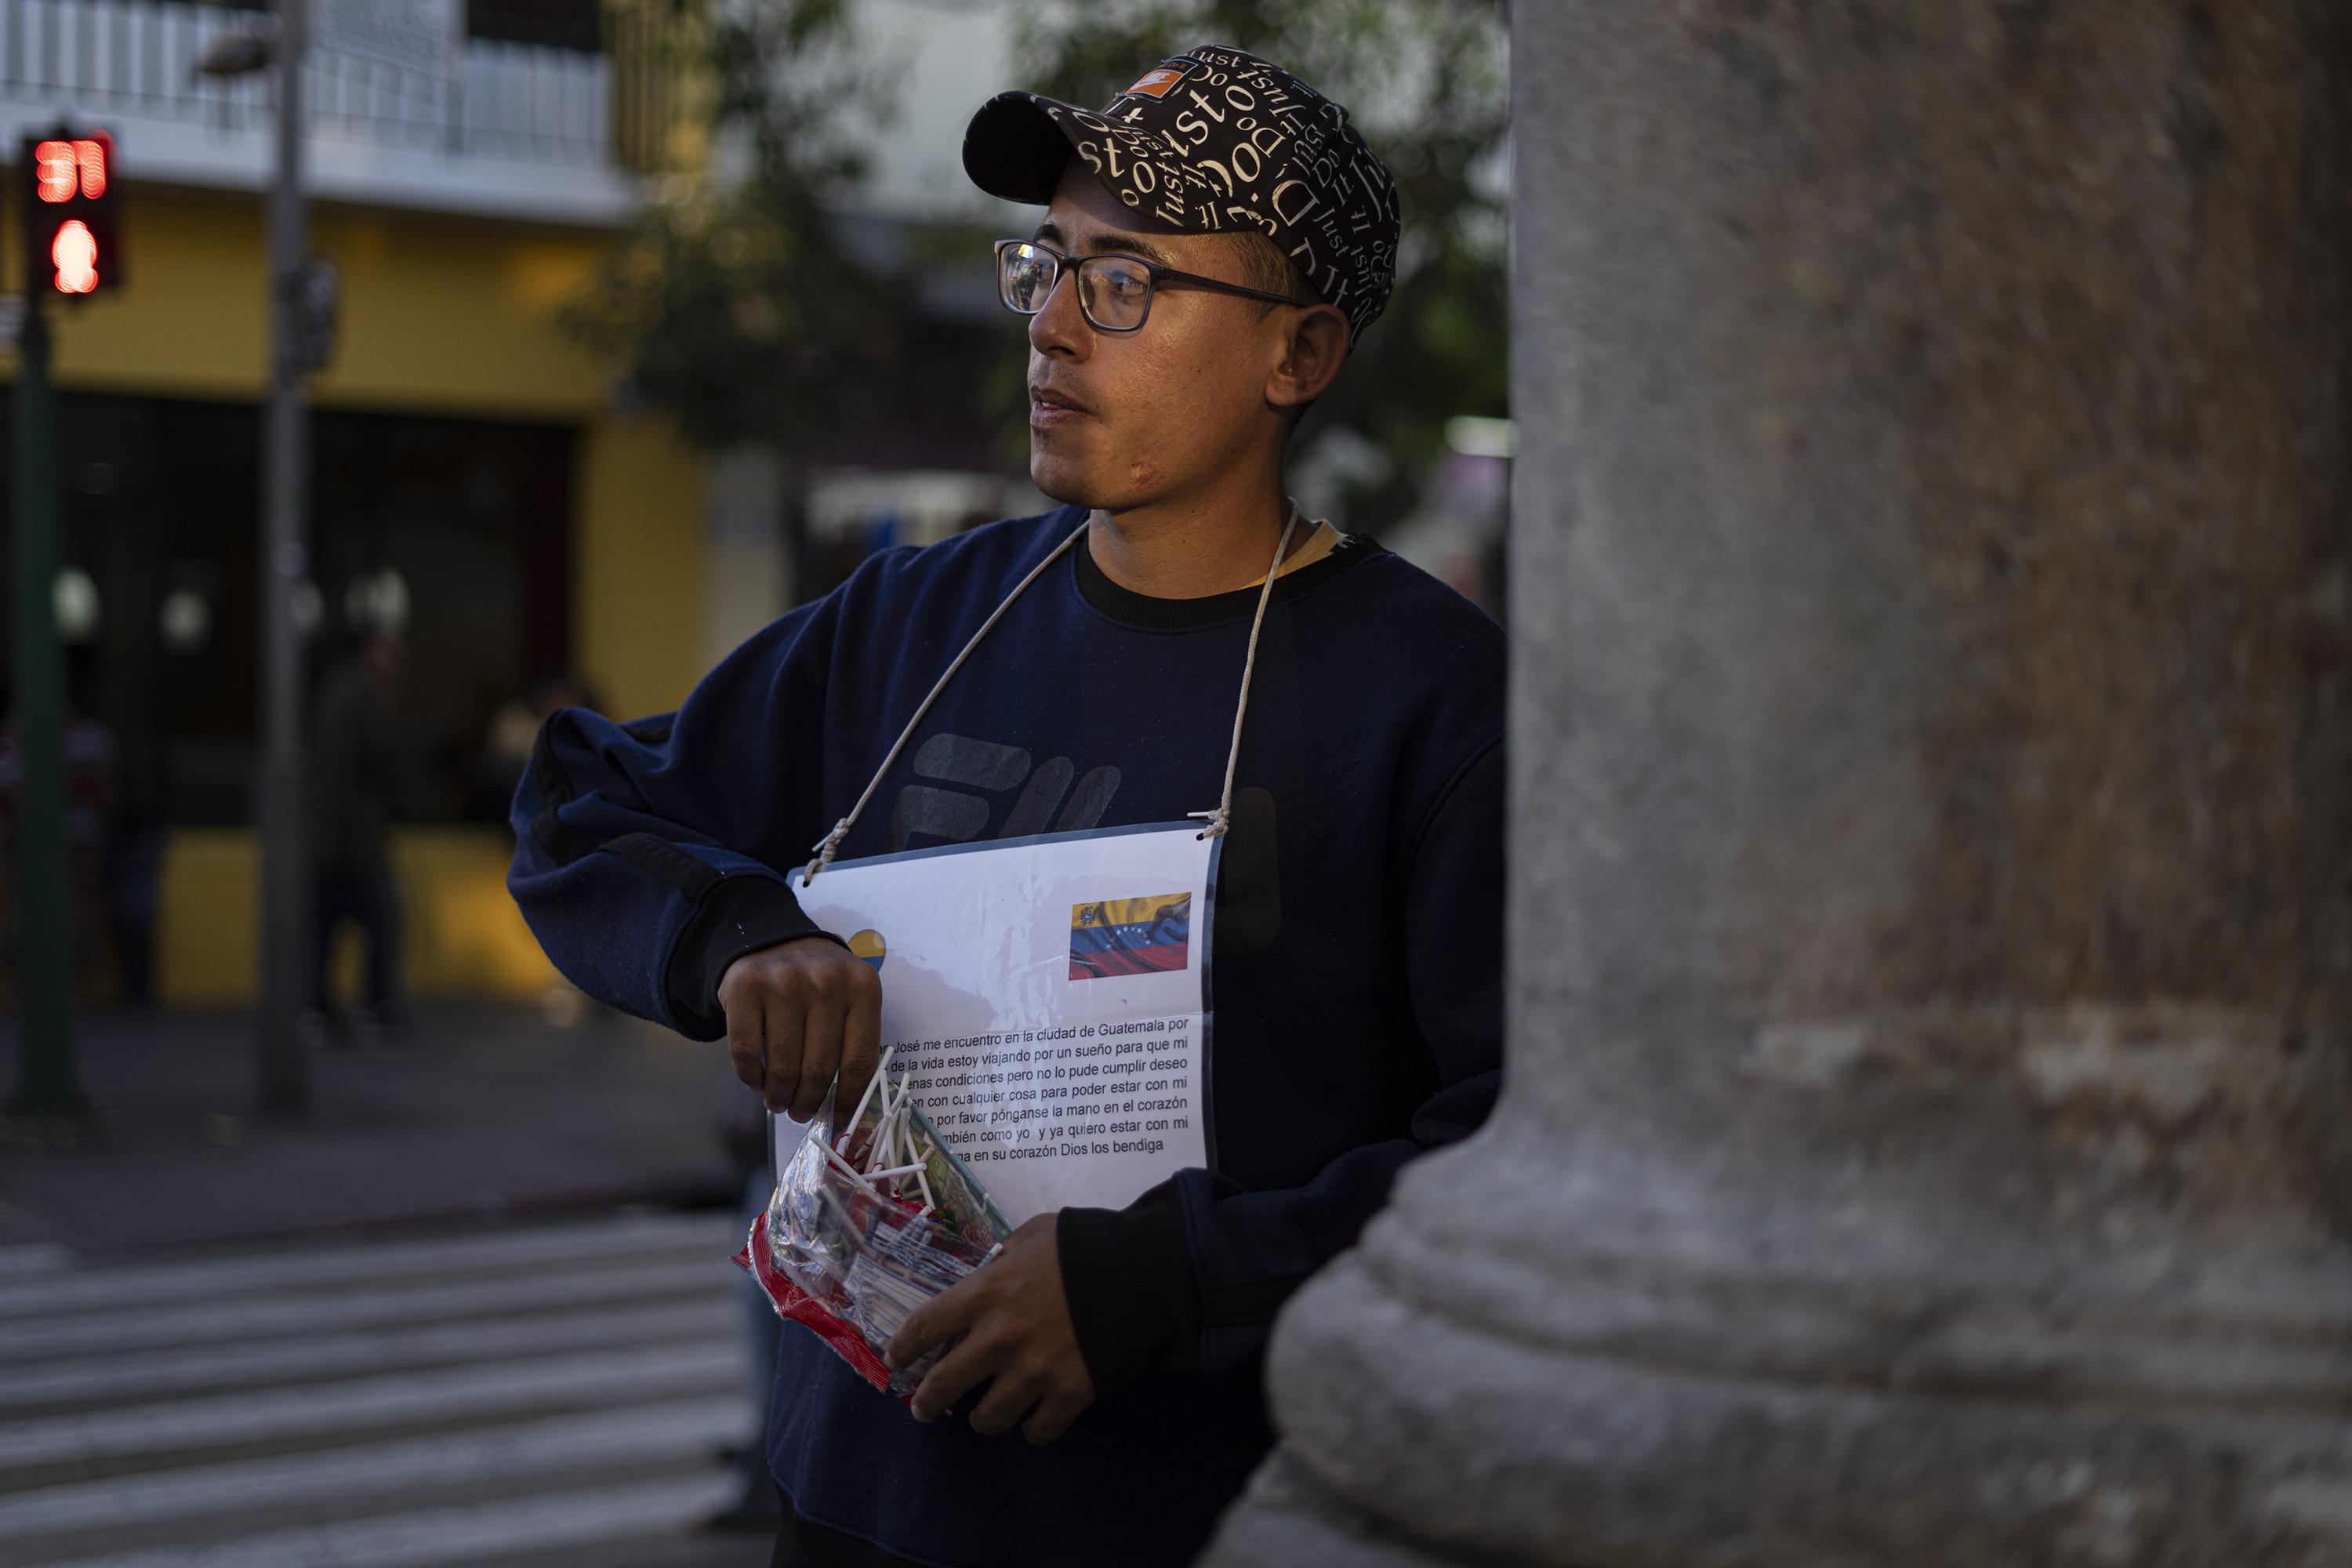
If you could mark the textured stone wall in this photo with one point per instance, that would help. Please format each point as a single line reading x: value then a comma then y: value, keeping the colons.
x: 1927, y: 1137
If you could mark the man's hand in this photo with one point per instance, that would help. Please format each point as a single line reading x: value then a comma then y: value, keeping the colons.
x: 1009, y: 1321
x: 797, y: 1012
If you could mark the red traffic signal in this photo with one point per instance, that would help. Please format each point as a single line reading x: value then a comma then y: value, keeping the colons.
x: 71, y: 235
x: 73, y: 257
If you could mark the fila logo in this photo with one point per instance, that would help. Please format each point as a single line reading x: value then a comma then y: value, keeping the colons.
x: 1161, y: 82
x: 956, y: 816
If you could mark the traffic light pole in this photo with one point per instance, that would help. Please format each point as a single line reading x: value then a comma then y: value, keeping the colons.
x: 46, y: 1084
x: 285, y: 566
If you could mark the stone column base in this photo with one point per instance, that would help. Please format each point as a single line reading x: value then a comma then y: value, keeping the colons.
x: 1450, y: 1397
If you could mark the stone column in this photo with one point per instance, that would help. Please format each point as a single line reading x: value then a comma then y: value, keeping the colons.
x: 1928, y: 1138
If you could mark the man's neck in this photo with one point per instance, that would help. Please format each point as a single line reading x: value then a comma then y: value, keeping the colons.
x: 1189, y: 550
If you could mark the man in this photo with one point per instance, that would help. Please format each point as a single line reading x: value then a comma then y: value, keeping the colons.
x: 1357, y: 947
x: 360, y: 766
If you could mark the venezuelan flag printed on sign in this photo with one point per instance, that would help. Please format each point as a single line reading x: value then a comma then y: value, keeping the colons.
x: 1131, y: 936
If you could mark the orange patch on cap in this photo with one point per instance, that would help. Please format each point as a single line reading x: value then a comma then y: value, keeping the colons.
x: 1161, y: 82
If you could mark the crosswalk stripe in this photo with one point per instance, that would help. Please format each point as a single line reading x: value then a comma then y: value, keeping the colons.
x: 504, y: 1252
x: 649, y: 1431
x: 33, y: 1258
x: 499, y: 1398
x: 464, y: 1391
x: 140, y: 1328
x: 432, y: 1536
x: 249, y: 1366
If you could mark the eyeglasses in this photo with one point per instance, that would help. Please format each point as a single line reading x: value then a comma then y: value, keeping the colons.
x: 1114, y: 290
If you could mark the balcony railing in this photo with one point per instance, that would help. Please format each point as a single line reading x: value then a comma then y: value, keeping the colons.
x: 513, y: 115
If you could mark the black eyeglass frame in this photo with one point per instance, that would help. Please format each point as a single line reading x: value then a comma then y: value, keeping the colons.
x: 1156, y: 274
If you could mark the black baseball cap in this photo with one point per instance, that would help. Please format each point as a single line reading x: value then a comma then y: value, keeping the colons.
x: 1208, y: 142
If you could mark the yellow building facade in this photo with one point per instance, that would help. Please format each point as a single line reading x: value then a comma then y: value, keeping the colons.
x: 449, y: 308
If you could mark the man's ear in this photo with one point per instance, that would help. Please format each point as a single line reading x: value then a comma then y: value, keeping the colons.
x: 1312, y: 355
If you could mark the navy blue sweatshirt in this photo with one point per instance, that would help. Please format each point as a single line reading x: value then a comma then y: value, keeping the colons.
x: 1355, y: 973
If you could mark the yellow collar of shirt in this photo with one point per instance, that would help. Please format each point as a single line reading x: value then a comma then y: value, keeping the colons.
x: 1319, y: 543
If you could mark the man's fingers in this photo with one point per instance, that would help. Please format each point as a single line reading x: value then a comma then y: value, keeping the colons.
x: 936, y: 1321
x: 958, y: 1372
x: 820, y: 1055
x: 1052, y: 1416
x: 746, y: 1035
x: 1007, y: 1401
x: 797, y: 1014
x: 786, y: 1026
x: 861, y: 1041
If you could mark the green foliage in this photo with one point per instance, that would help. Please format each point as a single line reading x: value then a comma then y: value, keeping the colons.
x: 1426, y: 82
x: 731, y: 301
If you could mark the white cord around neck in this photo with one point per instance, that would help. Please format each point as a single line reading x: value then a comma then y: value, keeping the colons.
x: 1219, y: 819
x: 1222, y: 818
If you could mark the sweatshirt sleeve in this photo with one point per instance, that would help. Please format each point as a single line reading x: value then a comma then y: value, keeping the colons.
x: 1189, y: 1277
x: 651, y: 854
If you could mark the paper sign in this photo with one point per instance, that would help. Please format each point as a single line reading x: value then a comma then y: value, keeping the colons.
x: 1046, y: 996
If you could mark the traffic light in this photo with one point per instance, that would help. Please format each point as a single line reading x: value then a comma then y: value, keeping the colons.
x: 72, y: 241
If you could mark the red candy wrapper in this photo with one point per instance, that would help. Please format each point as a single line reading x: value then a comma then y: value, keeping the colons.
x: 865, y: 1228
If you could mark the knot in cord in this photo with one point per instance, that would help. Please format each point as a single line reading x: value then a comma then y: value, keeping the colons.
x: 824, y: 849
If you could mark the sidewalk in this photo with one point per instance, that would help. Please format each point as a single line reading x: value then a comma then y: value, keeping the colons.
x: 479, y: 1112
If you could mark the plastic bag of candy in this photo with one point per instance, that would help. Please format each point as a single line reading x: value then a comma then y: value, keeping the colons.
x: 866, y: 1224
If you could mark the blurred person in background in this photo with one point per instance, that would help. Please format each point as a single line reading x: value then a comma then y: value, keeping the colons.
x: 508, y: 736
x: 1216, y: 238
x: 360, y: 768
x: 507, y: 740
x: 742, y: 1127
x: 94, y: 798
x: 134, y: 893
